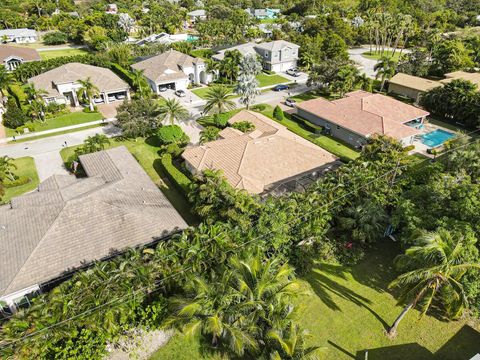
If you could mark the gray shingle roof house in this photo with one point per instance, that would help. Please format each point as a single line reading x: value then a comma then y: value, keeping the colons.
x: 69, y: 223
x: 19, y: 35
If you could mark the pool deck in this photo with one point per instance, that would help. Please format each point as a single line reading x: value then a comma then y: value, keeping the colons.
x: 420, y: 147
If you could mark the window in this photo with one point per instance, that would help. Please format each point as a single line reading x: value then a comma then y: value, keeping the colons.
x: 338, y: 127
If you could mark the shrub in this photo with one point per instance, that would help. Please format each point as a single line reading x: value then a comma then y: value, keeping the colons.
x: 172, y: 134
x: 221, y: 120
x: 53, y: 108
x: 55, y: 38
x: 88, y: 111
x: 173, y: 149
x: 17, y: 182
x: 176, y: 176
x: 278, y: 113
x: 259, y: 107
x: 21, y: 129
x: 269, y: 72
x: 17, y: 92
x: 210, y: 133
x: 244, y: 126
x: 14, y: 116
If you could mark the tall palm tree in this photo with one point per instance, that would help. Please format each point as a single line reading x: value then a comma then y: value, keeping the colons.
x: 434, y: 269
x: 88, y: 91
x: 138, y: 80
x: 385, y: 69
x: 5, y: 79
x: 172, y: 110
x: 345, y: 79
x: 218, y: 100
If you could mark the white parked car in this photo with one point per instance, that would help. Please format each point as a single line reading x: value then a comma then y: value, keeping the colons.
x: 293, y: 72
x: 290, y: 102
x: 97, y: 100
x: 120, y: 97
x: 111, y: 98
x: 163, y: 89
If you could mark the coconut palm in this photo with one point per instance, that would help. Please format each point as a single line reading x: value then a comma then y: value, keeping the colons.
x: 364, y: 82
x: 385, y: 69
x: 138, y: 81
x: 290, y: 344
x: 88, y: 91
x: 434, y: 268
x: 34, y: 93
x: 218, y: 100
x: 345, y: 79
x: 172, y: 110
x: 96, y: 142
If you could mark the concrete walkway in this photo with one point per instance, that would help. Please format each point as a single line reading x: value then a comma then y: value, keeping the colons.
x: 52, y: 131
x: 49, y: 164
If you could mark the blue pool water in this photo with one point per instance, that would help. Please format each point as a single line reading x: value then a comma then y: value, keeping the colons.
x: 192, y: 38
x: 436, y: 138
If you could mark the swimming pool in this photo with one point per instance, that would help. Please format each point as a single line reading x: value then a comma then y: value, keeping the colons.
x: 191, y: 38
x: 436, y: 138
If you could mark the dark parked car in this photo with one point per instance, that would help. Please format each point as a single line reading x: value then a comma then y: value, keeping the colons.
x: 281, y: 87
x: 180, y: 93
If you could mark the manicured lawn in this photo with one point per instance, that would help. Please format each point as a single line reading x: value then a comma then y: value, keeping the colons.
x: 201, y: 53
x: 377, y: 55
x: 270, y: 80
x: 50, y: 54
x: 326, y: 142
x: 69, y: 119
x: 263, y: 81
x: 203, y: 91
x: 25, y: 167
x: 146, y: 153
x: 55, y: 133
x: 346, y: 310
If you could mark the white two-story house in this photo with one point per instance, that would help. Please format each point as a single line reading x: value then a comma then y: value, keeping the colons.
x: 277, y: 56
x: 173, y: 70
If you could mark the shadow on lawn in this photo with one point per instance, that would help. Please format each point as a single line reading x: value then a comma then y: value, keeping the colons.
x: 325, y: 287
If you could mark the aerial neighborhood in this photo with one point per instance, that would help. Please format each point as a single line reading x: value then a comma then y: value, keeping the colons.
x: 239, y: 180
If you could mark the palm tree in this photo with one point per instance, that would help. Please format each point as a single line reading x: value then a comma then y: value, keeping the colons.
x: 171, y: 110
x: 138, y: 81
x: 5, y: 79
x: 96, y: 142
x: 34, y: 93
x: 345, y: 79
x: 364, y: 82
x: 290, y: 342
x: 434, y: 269
x: 218, y: 100
x: 385, y: 69
x: 88, y: 91
x: 7, y: 166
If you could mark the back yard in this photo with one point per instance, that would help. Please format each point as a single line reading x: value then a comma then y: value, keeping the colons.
x: 346, y: 311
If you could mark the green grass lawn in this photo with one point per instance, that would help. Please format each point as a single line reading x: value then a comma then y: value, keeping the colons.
x: 74, y: 118
x: 377, y: 55
x: 146, y: 153
x: 25, y: 167
x: 326, y: 142
x: 270, y: 80
x: 201, y: 53
x: 263, y: 81
x: 346, y: 310
x: 50, y: 54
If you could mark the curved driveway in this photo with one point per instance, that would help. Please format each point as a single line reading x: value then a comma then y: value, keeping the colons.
x: 366, y: 65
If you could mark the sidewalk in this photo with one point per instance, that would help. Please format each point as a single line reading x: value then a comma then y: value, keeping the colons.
x: 53, y: 131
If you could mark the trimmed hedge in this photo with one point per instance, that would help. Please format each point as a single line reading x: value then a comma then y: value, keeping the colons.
x: 181, y: 181
x: 306, y: 124
x: 18, y: 182
x: 18, y: 94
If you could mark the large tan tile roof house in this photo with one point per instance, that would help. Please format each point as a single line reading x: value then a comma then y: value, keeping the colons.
x: 361, y: 114
x: 414, y: 87
x: 473, y: 77
x: 173, y: 69
x: 13, y: 56
x: 69, y: 223
x: 259, y: 160
x: 61, y: 83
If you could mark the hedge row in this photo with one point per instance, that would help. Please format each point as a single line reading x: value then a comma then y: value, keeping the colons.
x: 18, y: 182
x: 181, y: 181
x: 306, y: 124
x: 18, y: 94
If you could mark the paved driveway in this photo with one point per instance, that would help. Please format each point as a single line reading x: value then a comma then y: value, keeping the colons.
x: 366, y: 65
x: 109, y: 111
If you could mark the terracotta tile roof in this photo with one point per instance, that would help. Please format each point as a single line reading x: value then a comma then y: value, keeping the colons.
x: 104, y: 79
x: 25, y: 54
x: 367, y: 114
x: 414, y: 82
x: 166, y: 66
x: 252, y: 161
x: 71, y: 222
